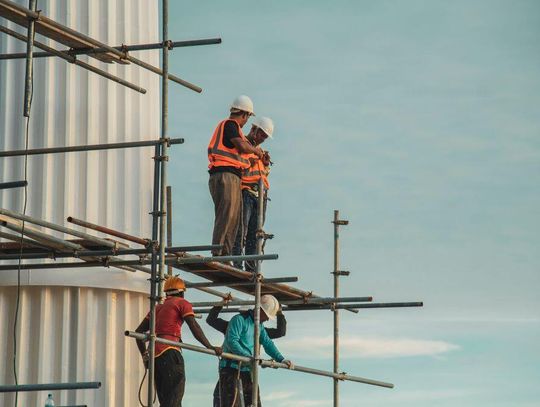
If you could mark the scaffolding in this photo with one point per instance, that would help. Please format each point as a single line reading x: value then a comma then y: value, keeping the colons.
x: 156, y: 251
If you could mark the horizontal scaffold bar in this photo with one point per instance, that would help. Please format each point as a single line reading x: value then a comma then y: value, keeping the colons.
x: 90, y: 147
x: 137, y: 47
x: 13, y: 184
x: 307, y: 301
x: 49, y: 386
x: 99, y: 253
x: 264, y: 363
x: 315, y: 307
x: 73, y: 60
x: 62, y: 33
x: 118, y: 263
x: 240, y: 283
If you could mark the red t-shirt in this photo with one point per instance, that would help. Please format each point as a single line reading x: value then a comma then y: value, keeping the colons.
x: 169, y: 319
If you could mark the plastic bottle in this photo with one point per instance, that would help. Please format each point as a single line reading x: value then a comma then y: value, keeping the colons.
x: 49, y: 402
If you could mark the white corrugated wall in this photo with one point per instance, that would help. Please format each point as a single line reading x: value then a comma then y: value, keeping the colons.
x: 71, y: 321
x: 73, y: 334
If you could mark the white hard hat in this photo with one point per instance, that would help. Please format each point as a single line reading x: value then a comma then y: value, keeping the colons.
x: 243, y: 103
x: 265, y: 124
x: 270, y: 305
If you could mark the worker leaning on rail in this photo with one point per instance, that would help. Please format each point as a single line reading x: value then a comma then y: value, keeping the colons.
x: 169, y: 372
x: 221, y: 325
x: 228, y: 153
x: 246, y: 237
x: 239, y: 340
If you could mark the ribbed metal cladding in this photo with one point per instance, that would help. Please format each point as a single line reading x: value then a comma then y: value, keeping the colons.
x: 72, y: 107
x: 75, y: 332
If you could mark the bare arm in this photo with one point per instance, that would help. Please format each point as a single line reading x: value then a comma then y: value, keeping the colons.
x: 197, y: 332
x: 245, y: 147
x: 215, y: 322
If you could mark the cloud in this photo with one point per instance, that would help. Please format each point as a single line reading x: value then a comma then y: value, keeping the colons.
x: 367, y: 347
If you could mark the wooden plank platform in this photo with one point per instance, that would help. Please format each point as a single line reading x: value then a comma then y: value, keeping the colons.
x: 56, y: 31
x: 219, y: 272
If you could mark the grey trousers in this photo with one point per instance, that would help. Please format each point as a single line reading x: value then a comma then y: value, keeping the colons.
x: 227, y: 196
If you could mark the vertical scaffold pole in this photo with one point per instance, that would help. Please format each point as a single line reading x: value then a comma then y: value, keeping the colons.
x: 164, y: 145
x: 29, y: 61
x: 337, y: 223
x: 257, y: 310
x: 169, y: 224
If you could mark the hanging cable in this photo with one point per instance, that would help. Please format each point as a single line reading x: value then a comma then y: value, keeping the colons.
x: 25, y: 201
x: 140, y: 390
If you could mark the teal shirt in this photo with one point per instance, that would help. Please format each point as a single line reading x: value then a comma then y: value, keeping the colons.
x: 239, y: 340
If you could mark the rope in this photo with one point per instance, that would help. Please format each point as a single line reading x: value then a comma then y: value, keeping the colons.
x: 140, y: 389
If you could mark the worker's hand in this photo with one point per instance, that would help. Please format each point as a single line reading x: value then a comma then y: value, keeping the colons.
x: 218, y: 350
x: 266, y: 159
x: 289, y: 364
x: 259, y: 153
x: 252, y: 160
x: 145, y: 359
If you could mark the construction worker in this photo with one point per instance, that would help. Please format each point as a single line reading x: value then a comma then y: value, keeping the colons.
x: 239, y: 340
x: 246, y: 237
x: 228, y: 153
x: 169, y: 373
x: 221, y: 325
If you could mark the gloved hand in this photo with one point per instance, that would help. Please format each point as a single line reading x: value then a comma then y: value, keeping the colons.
x: 289, y: 364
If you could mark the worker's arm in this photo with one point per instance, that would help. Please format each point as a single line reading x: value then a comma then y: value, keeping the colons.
x: 281, y: 328
x: 197, y: 332
x: 143, y: 327
x: 215, y: 322
x: 234, y: 334
x: 245, y: 147
x: 269, y: 346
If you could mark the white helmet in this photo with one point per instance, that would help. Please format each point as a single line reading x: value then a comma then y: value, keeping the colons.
x: 270, y: 305
x: 243, y: 103
x: 265, y: 124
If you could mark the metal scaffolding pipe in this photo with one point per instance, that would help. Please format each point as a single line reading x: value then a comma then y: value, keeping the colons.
x: 108, y: 231
x: 263, y: 363
x: 307, y: 301
x: 108, y: 262
x: 84, y: 253
x: 28, y: 80
x: 17, y: 239
x: 58, y: 228
x: 136, y: 47
x: 13, y: 184
x: 236, y: 283
x: 49, y: 386
x: 90, y: 147
x: 122, y: 55
x: 74, y: 61
x: 315, y: 307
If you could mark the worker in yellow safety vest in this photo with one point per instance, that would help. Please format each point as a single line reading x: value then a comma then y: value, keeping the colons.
x: 246, y: 237
x: 228, y: 156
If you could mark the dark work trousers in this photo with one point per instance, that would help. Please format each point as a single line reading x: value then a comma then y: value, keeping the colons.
x: 170, y: 378
x: 246, y: 237
x: 229, y: 389
x: 227, y: 197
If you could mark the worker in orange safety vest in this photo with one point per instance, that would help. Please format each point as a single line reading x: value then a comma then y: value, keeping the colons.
x: 228, y: 156
x: 246, y: 237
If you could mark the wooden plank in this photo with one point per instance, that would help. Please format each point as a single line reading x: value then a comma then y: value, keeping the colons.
x: 55, y: 31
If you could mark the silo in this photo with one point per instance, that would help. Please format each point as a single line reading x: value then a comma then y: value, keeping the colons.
x: 71, y: 321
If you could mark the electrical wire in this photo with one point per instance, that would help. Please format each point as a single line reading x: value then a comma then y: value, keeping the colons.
x: 140, y: 390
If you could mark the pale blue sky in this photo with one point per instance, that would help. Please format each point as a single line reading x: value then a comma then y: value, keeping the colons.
x: 420, y: 121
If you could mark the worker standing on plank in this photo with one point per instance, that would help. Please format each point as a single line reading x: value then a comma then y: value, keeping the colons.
x: 169, y: 373
x: 228, y: 153
x: 246, y: 237
x: 221, y: 325
x: 239, y: 340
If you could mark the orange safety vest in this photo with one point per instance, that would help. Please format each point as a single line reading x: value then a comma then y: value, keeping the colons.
x: 251, y: 176
x: 220, y: 155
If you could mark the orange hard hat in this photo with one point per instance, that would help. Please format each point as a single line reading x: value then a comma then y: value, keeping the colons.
x: 174, y: 283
